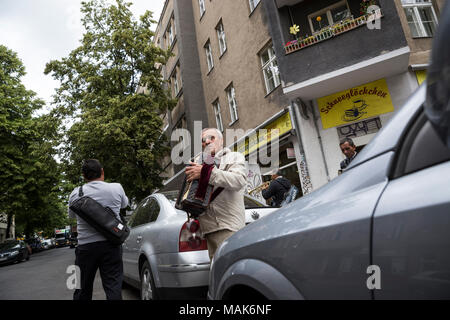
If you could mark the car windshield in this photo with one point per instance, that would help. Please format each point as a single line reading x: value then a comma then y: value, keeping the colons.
x: 8, y: 244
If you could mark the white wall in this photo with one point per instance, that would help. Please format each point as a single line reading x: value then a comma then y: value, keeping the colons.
x: 400, y: 87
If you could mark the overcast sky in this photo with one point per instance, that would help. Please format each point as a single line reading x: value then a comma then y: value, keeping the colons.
x: 44, y: 30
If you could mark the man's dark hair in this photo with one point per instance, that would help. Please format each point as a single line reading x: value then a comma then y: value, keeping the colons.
x: 91, y: 169
x: 349, y: 140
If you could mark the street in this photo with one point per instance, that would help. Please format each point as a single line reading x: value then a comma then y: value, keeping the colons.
x: 44, y: 277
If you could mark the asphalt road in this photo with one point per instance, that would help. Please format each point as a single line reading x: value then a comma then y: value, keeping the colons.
x: 44, y: 277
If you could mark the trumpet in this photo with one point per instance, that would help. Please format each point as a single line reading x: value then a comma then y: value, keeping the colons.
x: 260, y: 187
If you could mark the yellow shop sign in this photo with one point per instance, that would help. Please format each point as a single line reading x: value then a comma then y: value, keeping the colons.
x: 264, y: 135
x: 355, y: 104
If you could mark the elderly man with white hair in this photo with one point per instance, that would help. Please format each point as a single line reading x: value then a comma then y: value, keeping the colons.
x: 226, y: 169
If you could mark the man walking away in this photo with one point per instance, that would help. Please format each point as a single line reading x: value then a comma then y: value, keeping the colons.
x: 94, y: 251
x: 276, y: 189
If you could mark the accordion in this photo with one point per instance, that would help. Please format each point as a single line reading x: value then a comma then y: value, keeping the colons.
x: 187, y: 201
x: 195, y: 201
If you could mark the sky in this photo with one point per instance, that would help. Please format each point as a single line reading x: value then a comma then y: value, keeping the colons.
x: 44, y: 30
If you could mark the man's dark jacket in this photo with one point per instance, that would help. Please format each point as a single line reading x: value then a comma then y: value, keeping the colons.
x: 277, y: 189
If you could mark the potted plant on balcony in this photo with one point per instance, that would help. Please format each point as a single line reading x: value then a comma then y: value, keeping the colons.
x: 364, y: 5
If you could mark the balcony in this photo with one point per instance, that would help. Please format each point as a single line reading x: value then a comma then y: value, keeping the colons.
x: 332, y: 31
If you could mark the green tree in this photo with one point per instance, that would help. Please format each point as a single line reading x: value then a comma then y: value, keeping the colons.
x: 29, y: 176
x: 99, y: 100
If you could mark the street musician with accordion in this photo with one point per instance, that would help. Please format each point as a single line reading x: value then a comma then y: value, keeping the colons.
x: 220, y: 179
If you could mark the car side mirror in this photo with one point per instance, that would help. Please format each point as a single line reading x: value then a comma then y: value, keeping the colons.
x: 437, y: 103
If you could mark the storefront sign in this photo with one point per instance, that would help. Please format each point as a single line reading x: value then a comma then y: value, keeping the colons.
x: 264, y: 135
x: 421, y: 76
x: 355, y: 104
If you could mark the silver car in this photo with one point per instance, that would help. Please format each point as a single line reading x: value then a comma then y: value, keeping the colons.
x: 381, y: 230
x: 162, y: 257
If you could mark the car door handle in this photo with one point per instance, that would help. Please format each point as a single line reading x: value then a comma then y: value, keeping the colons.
x: 138, y: 239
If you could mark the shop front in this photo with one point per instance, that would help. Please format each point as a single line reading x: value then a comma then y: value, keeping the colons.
x: 270, y: 146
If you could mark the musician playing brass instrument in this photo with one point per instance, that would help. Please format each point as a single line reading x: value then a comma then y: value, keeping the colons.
x: 224, y: 168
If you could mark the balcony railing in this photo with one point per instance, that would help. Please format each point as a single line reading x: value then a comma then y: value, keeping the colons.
x: 332, y: 31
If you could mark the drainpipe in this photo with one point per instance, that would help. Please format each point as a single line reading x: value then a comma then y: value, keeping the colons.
x: 327, y: 172
x: 303, y: 105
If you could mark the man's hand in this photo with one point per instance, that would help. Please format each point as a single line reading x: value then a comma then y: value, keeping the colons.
x: 193, y: 171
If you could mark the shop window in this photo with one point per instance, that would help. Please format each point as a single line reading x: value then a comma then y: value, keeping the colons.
x: 329, y: 16
x: 421, y: 17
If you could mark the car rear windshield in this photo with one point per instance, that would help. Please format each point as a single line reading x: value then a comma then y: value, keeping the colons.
x: 249, y: 203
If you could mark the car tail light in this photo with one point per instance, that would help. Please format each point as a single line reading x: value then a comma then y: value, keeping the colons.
x: 191, y: 238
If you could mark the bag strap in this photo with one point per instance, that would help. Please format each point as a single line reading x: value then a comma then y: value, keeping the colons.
x: 80, y: 191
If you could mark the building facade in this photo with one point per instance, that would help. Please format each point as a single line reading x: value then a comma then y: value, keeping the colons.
x: 308, y: 72
x: 4, y: 226
x: 176, y: 32
x: 348, y: 65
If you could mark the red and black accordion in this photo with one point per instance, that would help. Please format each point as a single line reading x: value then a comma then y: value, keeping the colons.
x: 187, y: 201
x: 195, y: 201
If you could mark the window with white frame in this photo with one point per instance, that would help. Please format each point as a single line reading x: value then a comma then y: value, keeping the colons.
x: 209, y: 56
x: 253, y: 4
x: 218, y: 115
x: 422, y: 19
x: 201, y: 4
x: 221, y: 36
x: 231, y: 95
x: 170, y: 33
x: 329, y: 16
x: 270, y: 69
x: 175, y: 81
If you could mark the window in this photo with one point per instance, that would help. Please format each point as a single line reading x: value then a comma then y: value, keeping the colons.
x: 221, y: 36
x: 231, y: 95
x: 329, y: 16
x: 154, y: 210
x: 175, y: 81
x: 270, y: 69
x: 209, y: 57
x: 201, y: 4
x: 253, y: 4
x: 142, y: 214
x: 421, y: 17
x: 218, y: 115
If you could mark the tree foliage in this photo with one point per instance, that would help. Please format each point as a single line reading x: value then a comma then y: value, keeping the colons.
x: 99, y: 100
x: 29, y: 176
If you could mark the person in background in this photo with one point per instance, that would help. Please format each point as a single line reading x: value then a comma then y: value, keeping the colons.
x: 276, y: 189
x: 348, y: 148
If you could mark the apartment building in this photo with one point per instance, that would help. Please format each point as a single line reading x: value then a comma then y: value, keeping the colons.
x: 242, y: 86
x: 176, y: 32
x: 348, y: 66
x: 314, y: 70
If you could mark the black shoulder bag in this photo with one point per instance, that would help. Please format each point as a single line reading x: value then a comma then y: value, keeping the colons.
x: 100, y: 218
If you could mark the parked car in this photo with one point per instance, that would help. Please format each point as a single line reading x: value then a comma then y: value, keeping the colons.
x: 47, y: 244
x: 35, y: 244
x: 162, y: 257
x: 73, y: 239
x: 13, y: 251
x: 378, y: 231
